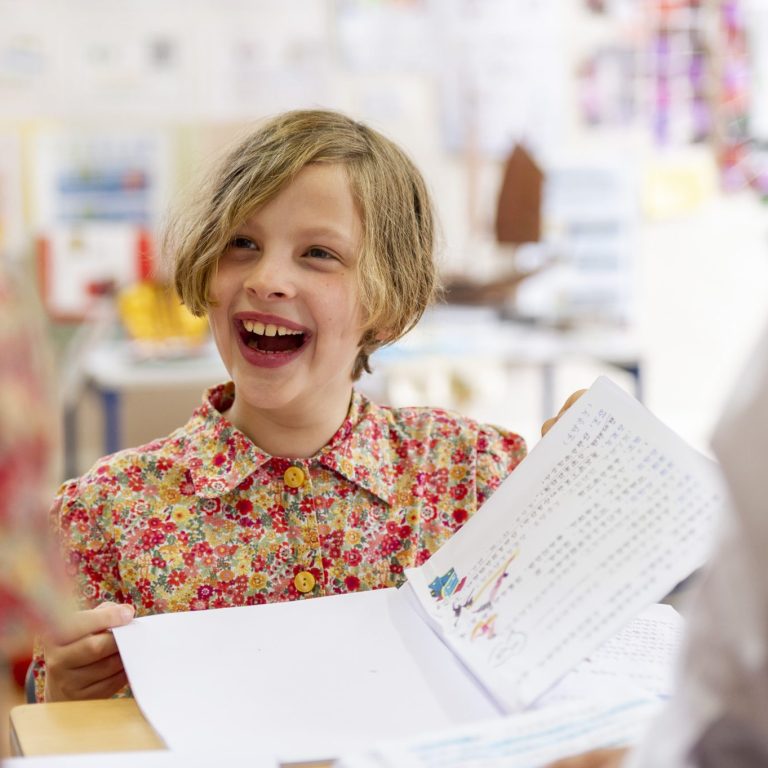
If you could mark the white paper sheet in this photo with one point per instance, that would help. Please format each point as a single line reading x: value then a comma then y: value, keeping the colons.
x: 640, y: 659
x: 303, y: 680
x: 519, y: 741
x: 605, y: 516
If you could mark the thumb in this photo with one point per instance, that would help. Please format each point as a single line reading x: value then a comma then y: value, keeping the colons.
x: 120, y: 613
x: 94, y: 620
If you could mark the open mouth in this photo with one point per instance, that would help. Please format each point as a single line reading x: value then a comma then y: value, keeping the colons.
x: 269, y: 338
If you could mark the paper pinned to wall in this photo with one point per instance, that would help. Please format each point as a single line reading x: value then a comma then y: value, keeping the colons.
x: 503, y: 74
x: 376, y: 36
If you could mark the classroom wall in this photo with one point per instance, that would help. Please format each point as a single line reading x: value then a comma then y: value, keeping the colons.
x: 195, y: 75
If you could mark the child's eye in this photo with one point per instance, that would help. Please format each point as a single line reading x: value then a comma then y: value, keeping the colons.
x: 320, y: 253
x: 238, y: 241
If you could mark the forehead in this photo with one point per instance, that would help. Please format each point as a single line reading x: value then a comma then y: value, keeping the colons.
x: 319, y: 198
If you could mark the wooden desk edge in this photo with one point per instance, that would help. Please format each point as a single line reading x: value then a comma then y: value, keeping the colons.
x: 81, y: 727
x: 107, y: 725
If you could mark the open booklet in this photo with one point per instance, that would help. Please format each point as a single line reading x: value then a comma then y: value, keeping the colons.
x: 606, y: 515
x: 609, y: 512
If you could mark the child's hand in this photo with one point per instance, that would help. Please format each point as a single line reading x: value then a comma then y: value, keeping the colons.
x: 82, y: 660
x: 549, y: 423
x: 600, y: 758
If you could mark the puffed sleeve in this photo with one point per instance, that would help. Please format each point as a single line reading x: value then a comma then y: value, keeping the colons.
x: 498, y: 453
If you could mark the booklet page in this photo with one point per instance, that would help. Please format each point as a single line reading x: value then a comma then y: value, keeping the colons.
x: 605, y: 516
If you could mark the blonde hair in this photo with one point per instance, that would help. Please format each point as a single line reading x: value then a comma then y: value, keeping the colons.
x: 397, y: 275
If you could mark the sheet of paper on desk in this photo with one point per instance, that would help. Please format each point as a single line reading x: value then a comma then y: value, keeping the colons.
x: 144, y: 759
x: 525, y: 740
x: 639, y: 660
x: 608, y: 513
x: 303, y: 680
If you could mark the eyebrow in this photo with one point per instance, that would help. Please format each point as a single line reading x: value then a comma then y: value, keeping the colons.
x: 326, y: 232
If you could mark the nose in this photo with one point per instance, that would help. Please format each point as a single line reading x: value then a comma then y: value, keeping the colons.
x: 271, y: 277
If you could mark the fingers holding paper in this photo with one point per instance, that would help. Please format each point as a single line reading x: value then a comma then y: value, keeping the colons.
x: 549, y: 423
x: 82, y: 660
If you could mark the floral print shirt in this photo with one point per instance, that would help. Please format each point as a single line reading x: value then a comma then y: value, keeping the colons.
x: 204, y: 519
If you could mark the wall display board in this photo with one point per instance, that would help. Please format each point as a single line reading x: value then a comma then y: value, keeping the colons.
x: 686, y: 71
x: 28, y: 57
x: 78, y: 265
x: 104, y: 175
x: 503, y: 76
x: 376, y: 36
x: 98, y: 195
x: 261, y: 58
x: 97, y: 59
x: 652, y: 66
x: 174, y: 60
x: 11, y: 196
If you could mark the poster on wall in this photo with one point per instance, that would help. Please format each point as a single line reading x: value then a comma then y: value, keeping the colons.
x: 503, y: 74
x: 105, y: 174
x: 131, y: 59
x: 81, y: 264
x: 28, y: 63
x: 100, y: 194
x: 11, y: 196
x: 386, y: 36
x: 95, y: 59
x: 260, y: 60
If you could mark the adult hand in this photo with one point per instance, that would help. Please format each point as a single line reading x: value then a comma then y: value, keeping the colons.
x: 549, y: 423
x: 600, y: 758
x: 82, y: 660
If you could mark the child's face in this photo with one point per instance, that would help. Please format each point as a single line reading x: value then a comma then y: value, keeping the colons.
x: 287, y: 318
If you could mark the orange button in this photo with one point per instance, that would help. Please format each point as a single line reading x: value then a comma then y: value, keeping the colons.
x: 304, y: 581
x: 294, y: 477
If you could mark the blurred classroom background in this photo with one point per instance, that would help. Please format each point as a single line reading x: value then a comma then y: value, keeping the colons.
x: 599, y: 168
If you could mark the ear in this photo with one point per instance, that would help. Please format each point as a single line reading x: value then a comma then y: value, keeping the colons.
x: 384, y: 335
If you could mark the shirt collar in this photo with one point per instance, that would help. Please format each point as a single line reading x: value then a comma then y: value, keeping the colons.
x: 361, y: 451
x: 219, y: 456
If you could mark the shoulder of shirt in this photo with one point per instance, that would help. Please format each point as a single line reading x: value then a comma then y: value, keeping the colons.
x: 414, y: 422
x: 172, y: 447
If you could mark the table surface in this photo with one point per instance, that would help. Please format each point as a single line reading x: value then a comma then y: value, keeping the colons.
x: 105, y: 725
x: 77, y: 727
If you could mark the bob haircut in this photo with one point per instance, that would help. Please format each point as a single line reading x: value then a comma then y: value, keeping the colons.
x: 397, y: 274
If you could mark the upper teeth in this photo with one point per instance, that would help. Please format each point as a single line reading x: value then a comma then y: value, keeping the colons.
x: 268, y: 329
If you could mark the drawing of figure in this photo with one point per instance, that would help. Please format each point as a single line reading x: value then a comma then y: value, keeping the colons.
x: 446, y: 585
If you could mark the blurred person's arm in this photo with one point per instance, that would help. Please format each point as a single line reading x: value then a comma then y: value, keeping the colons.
x: 31, y: 583
x: 80, y: 660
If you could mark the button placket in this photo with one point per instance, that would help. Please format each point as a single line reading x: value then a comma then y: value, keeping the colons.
x: 298, y: 489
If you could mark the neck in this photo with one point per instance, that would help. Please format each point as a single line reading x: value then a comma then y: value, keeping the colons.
x: 288, y: 433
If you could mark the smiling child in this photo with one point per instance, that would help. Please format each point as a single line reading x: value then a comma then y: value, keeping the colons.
x: 312, y: 245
